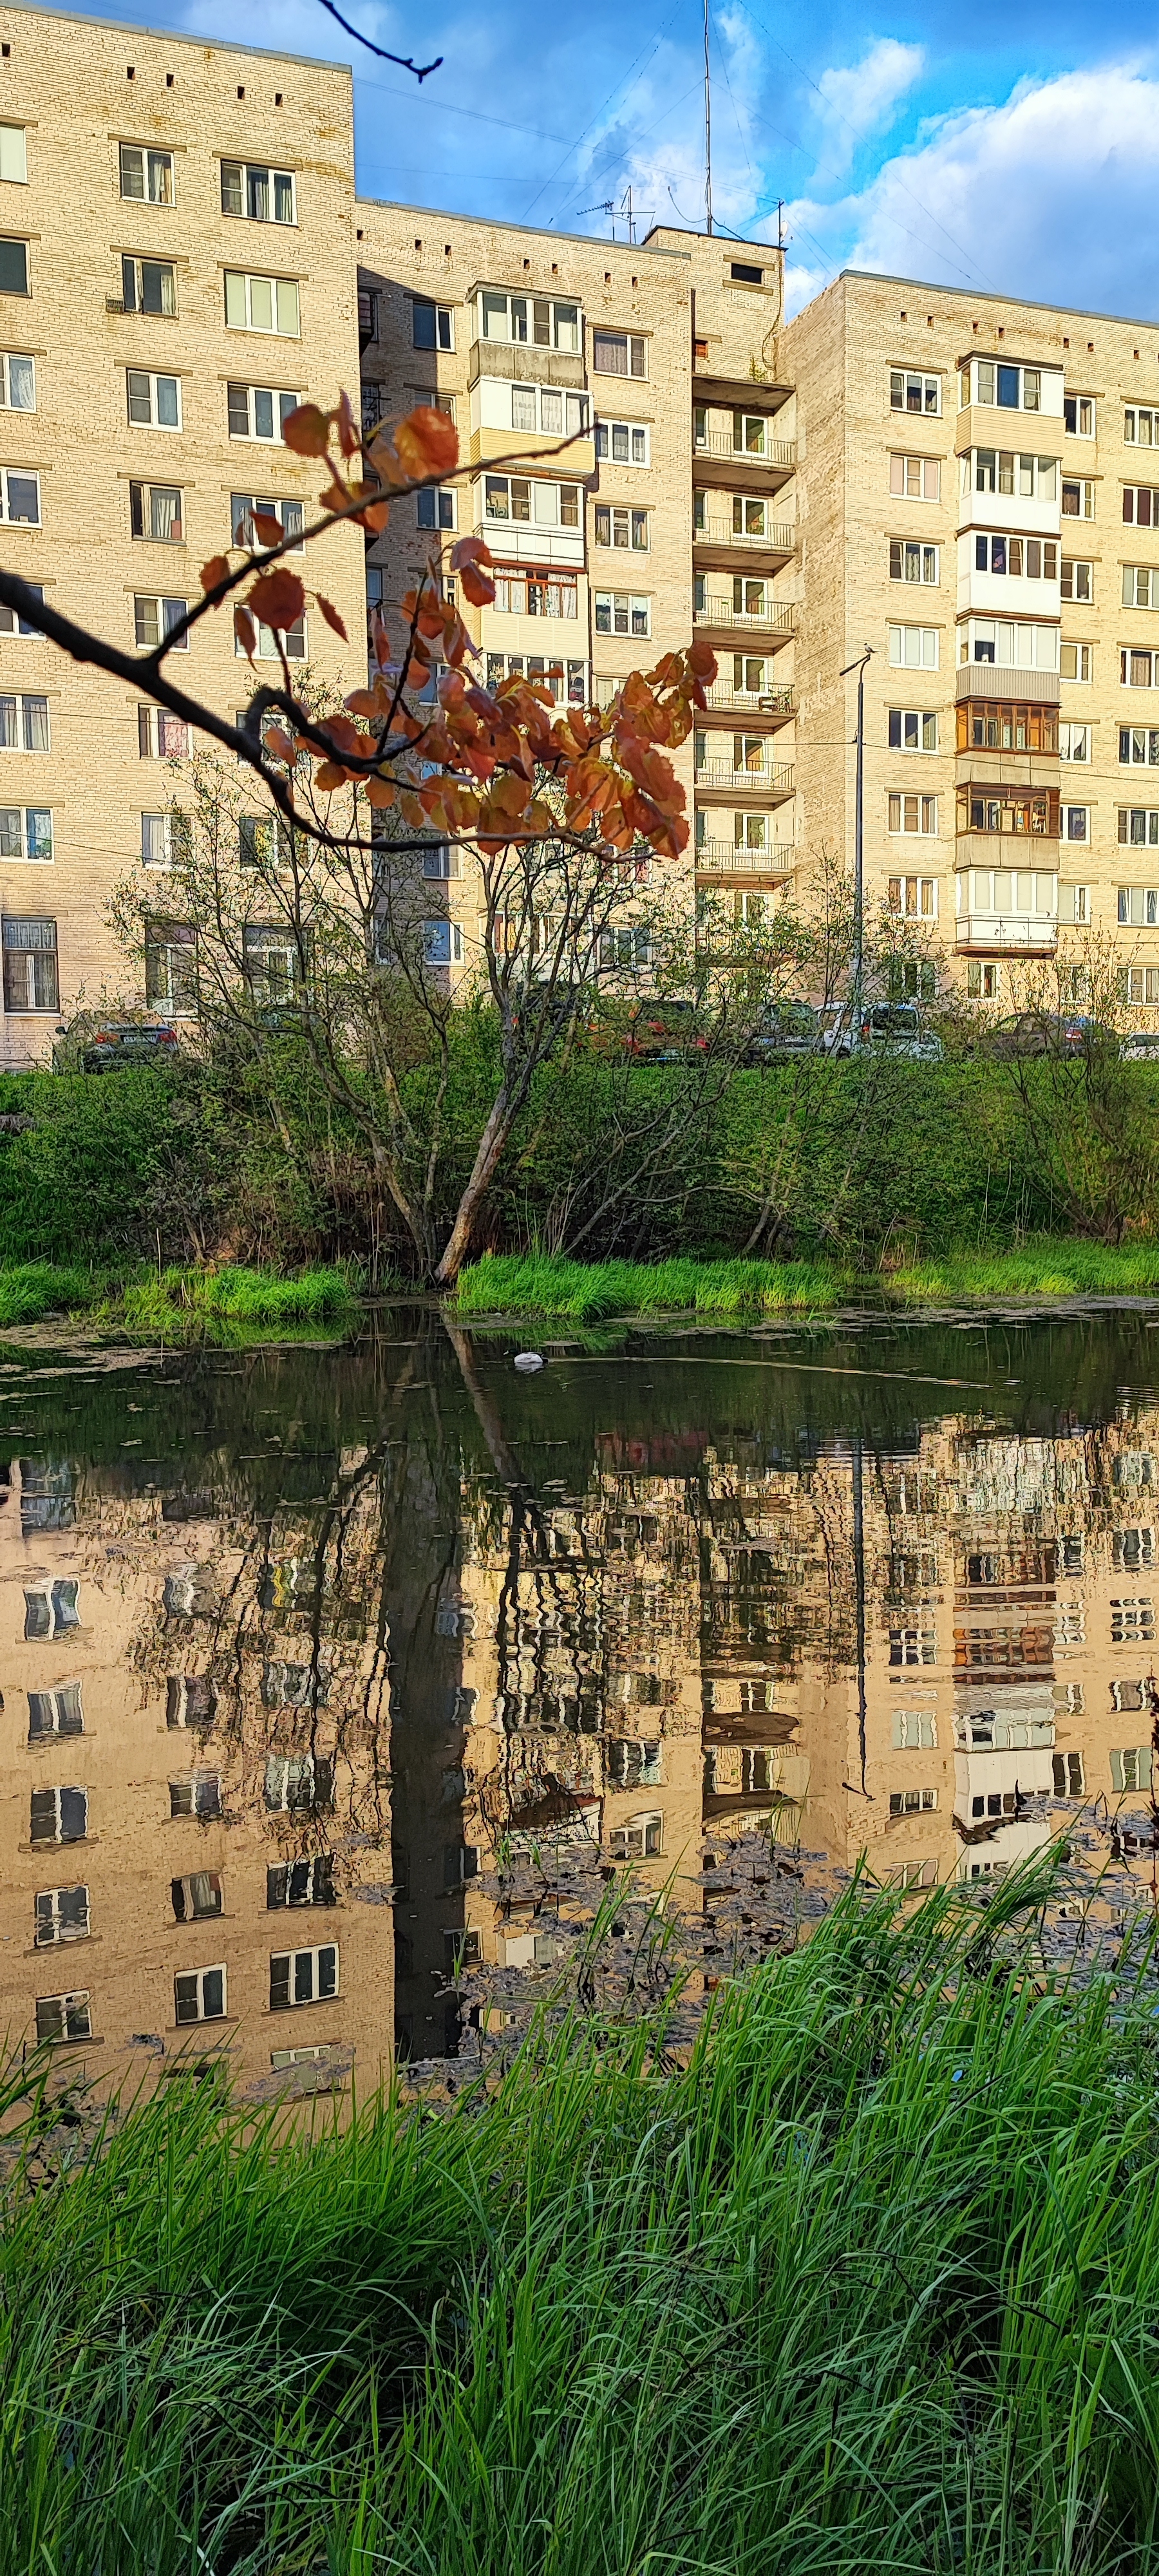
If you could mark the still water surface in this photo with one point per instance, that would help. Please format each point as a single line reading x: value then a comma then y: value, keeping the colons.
x: 339, y: 1681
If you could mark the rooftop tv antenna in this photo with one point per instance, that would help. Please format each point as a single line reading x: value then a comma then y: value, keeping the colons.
x: 620, y: 214
x: 707, y: 130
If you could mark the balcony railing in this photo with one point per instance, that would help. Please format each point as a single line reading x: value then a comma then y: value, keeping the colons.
x: 778, y: 860
x: 1026, y: 930
x: 720, y: 612
x: 781, y: 452
x: 771, y: 776
x: 779, y: 540
x: 755, y: 702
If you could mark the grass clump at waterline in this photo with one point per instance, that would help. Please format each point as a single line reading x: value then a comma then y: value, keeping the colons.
x: 541, y: 1284
x: 31, y: 1289
x: 873, y: 2281
x: 233, y: 1296
x: 1044, y: 1266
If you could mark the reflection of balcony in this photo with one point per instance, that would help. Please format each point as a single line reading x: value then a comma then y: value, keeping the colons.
x: 723, y: 859
x: 1030, y: 932
x: 768, y: 620
x: 771, y: 782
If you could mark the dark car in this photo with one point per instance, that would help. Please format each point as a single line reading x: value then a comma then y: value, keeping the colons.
x: 786, y: 1028
x: 663, y: 1032
x: 1047, y: 1033
x: 105, y: 1046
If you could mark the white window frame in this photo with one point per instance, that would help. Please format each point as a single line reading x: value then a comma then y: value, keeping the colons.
x: 152, y: 377
x: 441, y: 932
x: 1084, y: 660
x: 901, y: 379
x: 145, y: 534
x: 191, y: 1911
x: 21, y: 243
x: 444, y: 326
x: 626, y: 613
x: 169, y: 612
x: 1084, y: 486
x: 133, y: 266
x: 633, y: 431
x: 925, y: 825
x: 175, y: 827
x: 25, y: 359
x: 985, y: 545
x: 75, y: 2008
x: 1005, y: 470
x: 924, y: 893
x: 19, y: 941
x: 175, y: 942
x: 1139, y: 746
x: 17, y: 473
x: 319, y: 1868
x: 1074, y: 571
x: 13, y: 624
x: 911, y: 477
x: 1141, y: 586
x: 14, y: 152
x: 1137, y: 907
x: 1084, y: 409
x: 161, y: 736
x: 920, y: 720
x: 983, y: 384
x: 60, y: 1712
x: 185, y: 1790
x: 1129, y: 655
x: 32, y: 852
x: 638, y: 1837
x: 69, y: 1789
x: 48, y: 1930
x: 1076, y: 743
x: 1148, y: 817
x: 270, y: 172
x: 278, y: 395
x: 242, y: 506
x: 915, y: 1730
x: 926, y: 560
x: 1074, y: 839
x: 1133, y: 417
x: 435, y: 509
x: 285, y: 1771
x: 983, y: 980
x: 318, y: 1951
x: 926, y: 656
x: 195, y: 1978
x: 155, y: 163
x: 608, y: 513
x: 635, y: 345
x: 267, y: 649
x: 59, y: 1624
x: 243, y: 319
x: 22, y: 701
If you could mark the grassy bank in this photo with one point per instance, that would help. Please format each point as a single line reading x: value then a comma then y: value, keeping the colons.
x: 584, y: 1292
x: 873, y: 2282
x: 176, y: 1301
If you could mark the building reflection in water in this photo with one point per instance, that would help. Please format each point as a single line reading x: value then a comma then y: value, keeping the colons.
x: 267, y: 1750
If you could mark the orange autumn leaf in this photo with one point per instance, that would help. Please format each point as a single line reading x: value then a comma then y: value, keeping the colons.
x: 702, y: 662
x: 470, y: 550
x: 245, y: 631
x: 381, y: 791
x: 330, y: 774
x: 217, y: 569
x: 279, y: 745
x: 426, y: 443
x: 348, y: 435
x: 331, y: 616
x: 267, y: 528
x: 278, y: 598
x: 307, y: 430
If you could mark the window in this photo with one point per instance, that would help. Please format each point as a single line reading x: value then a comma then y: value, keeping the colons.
x: 915, y: 478
x: 1010, y: 810
x: 1139, y: 825
x: 30, y: 976
x: 533, y: 320
x: 61, y: 2017
x: 146, y: 175
x: 17, y: 382
x: 1000, y: 640
x: 267, y: 647
x: 367, y: 315
x: 60, y: 1914
x: 521, y: 500
x: 272, y: 964
x: 1137, y: 670
x: 911, y: 561
x: 196, y: 1897
x: 1034, y: 557
x: 12, y: 624
x: 23, y: 724
x: 148, y: 285
x: 618, y: 614
x: 161, y: 736
x: 1141, y: 428
x: 59, y: 1816
x: 303, y: 1976
x: 982, y: 981
x: 915, y: 1730
x: 156, y: 512
x: 633, y: 1764
x: 19, y: 498
x: 1011, y: 388
x: 164, y: 838
x: 258, y: 411
x: 55, y: 1712
x: 245, y: 508
x: 25, y: 831
x: 912, y: 729
x: 625, y: 528
x: 443, y: 943
x: 190, y: 1700
x: 914, y: 393
x: 915, y: 897
x: 265, y: 196
x: 912, y: 1802
x: 1130, y: 1767
x: 535, y: 594
x: 50, y: 1609
x: 154, y: 619
x: 435, y: 510
x: 13, y: 266
x: 1007, y: 470
x: 301, y: 1882
x: 1133, y: 1622
x: 171, y: 965
x: 641, y: 1839
x: 432, y: 325
x: 1074, y: 742
x: 566, y: 681
x: 913, y: 648
x: 1068, y: 1775
x: 913, y: 813
x: 1140, y: 505
x: 1139, y: 746
x: 623, y: 442
x: 154, y: 401
x: 1137, y: 906
x: 619, y: 353
x: 199, y: 1996
x: 264, y: 841
x: 1078, y: 499
x: 1075, y: 822
x: 296, y: 1780
x: 198, y: 1794
x: 1078, y: 412
x: 1133, y: 1548
x: 442, y: 862
x: 261, y: 303
x: 1140, y: 586
x: 1076, y: 661
x: 1077, y: 580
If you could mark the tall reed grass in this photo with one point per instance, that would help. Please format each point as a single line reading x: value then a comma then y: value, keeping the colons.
x: 1047, y: 1267
x: 871, y: 2282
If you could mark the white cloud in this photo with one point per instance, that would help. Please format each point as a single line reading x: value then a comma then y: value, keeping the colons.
x: 862, y: 98
x: 1049, y: 195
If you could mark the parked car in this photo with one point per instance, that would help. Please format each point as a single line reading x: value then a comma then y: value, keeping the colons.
x: 105, y: 1046
x: 663, y: 1032
x: 1141, y: 1046
x: 1047, y: 1033
x: 784, y: 1029
x: 892, y: 1028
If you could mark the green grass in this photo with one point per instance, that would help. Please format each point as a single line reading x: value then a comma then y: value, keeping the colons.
x: 873, y: 2282
x: 587, y: 1291
x: 230, y: 1301
x: 30, y: 1289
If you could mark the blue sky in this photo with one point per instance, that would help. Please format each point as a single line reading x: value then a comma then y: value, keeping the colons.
x: 954, y: 145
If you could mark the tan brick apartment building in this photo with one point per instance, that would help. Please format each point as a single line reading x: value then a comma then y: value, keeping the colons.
x: 959, y: 481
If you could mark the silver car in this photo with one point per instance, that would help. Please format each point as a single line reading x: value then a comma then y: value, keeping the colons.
x: 895, y: 1028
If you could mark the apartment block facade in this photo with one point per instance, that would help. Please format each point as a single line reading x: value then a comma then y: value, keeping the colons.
x: 958, y: 483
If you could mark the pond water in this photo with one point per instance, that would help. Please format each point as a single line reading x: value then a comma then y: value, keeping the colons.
x: 341, y: 1683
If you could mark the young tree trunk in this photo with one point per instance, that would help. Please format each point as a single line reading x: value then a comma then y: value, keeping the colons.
x: 504, y: 1108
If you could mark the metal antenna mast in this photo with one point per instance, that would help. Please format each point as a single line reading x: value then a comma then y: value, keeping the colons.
x: 707, y: 130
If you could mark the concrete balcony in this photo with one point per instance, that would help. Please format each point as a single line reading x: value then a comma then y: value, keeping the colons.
x: 1028, y: 934
x: 723, y: 863
x: 776, y: 455
x: 771, y: 784
x: 719, y: 615
x: 763, y: 710
x: 520, y: 361
x: 718, y: 546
